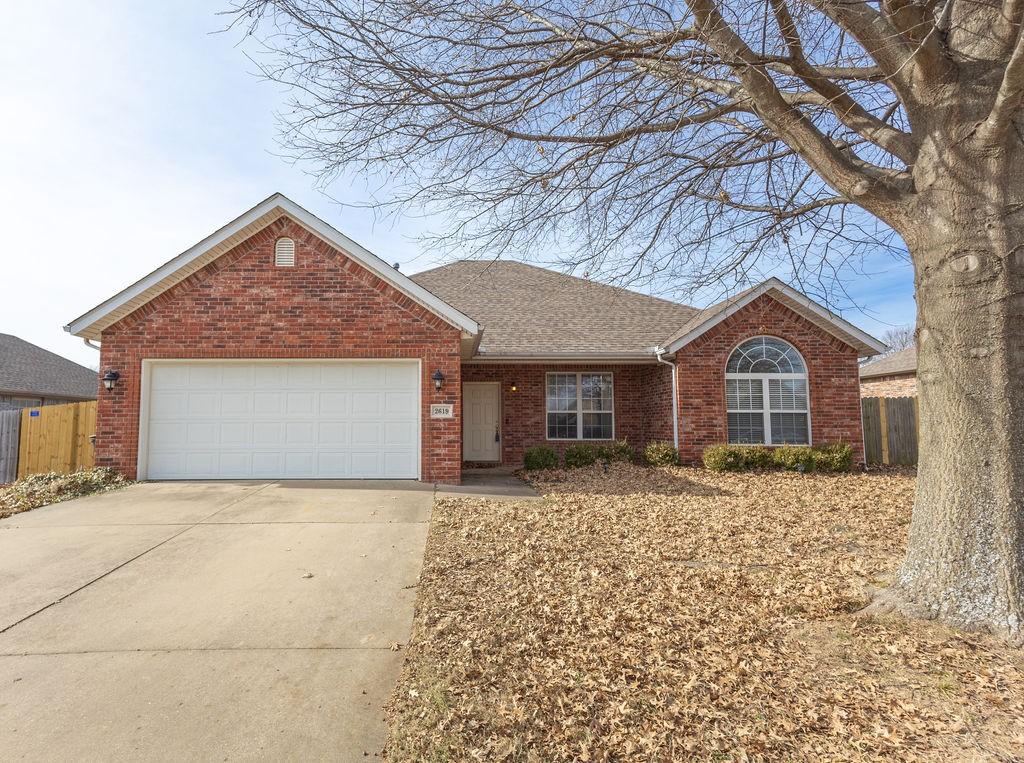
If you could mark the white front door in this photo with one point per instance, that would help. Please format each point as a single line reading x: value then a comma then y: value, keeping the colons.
x: 481, y: 432
x: 280, y: 419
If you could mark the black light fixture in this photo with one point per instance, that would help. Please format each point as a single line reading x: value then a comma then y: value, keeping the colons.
x: 110, y: 379
x: 514, y: 386
x: 438, y: 378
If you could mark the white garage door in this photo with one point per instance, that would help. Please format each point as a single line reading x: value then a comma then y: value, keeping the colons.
x: 280, y: 420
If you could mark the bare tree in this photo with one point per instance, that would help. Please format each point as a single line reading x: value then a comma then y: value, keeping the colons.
x: 899, y: 338
x: 696, y: 138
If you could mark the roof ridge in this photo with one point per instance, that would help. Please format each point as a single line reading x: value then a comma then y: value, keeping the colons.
x: 551, y: 271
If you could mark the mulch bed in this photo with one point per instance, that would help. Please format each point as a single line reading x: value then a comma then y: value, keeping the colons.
x: 666, y: 614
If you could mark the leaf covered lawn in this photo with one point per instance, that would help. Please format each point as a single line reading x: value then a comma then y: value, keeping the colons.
x: 667, y: 614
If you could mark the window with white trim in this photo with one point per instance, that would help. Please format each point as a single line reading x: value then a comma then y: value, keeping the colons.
x: 580, y: 406
x: 766, y: 394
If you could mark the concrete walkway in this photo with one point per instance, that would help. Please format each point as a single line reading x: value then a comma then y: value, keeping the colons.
x: 200, y: 621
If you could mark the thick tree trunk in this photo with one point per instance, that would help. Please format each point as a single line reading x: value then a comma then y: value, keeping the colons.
x: 965, y: 558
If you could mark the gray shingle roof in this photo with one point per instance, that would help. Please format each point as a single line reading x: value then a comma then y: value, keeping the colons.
x: 699, y: 316
x: 902, y: 362
x: 26, y: 368
x: 531, y: 311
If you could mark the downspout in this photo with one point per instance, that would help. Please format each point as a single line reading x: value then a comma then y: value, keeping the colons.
x: 658, y: 352
x: 88, y: 343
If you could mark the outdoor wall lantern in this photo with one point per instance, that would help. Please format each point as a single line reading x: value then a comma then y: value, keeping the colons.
x: 438, y: 378
x: 514, y: 386
x: 110, y: 379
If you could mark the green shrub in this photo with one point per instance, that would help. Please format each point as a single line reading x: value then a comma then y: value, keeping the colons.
x: 580, y: 454
x: 791, y: 457
x: 757, y: 457
x: 540, y: 457
x: 834, y: 457
x: 659, y: 453
x: 619, y: 450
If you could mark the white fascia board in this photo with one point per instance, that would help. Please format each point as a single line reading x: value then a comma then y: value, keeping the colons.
x: 775, y: 284
x: 335, y: 238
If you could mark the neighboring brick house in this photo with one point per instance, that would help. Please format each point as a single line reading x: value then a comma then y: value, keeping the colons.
x: 31, y: 376
x: 279, y: 348
x: 892, y: 376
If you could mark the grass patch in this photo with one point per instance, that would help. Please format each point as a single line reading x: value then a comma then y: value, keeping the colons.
x: 37, y: 490
x: 675, y: 613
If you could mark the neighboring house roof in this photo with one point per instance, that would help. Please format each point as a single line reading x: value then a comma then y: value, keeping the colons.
x: 532, y: 312
x: 799, y: 303
x: 29, y: 370
x: 92, y: 323
x: 899, y: 363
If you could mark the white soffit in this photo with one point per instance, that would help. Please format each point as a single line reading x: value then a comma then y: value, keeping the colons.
x: 91, y: 324
x: 821, y: 317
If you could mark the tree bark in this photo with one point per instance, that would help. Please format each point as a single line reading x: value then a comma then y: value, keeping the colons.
x: 965, y: 557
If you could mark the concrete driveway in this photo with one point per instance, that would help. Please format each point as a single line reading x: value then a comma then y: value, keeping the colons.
x: 198, y: 621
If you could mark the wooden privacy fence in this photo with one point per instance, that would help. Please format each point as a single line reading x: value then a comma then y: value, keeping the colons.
x: 890, y: 430
x: 54, y: 438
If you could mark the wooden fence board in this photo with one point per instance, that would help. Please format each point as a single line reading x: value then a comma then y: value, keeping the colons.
x: 872, y: 430
x: 890, y: 430
x: 56, y: 438
x: 10, y: 426
x: 902, y: 425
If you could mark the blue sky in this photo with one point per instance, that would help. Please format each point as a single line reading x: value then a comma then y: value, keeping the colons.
x: 132, y: 130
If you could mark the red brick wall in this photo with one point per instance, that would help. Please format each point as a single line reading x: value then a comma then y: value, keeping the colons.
x: 243, y: 306
x: 523, y: 412
x: 890, y: 386
x: 831, y: 367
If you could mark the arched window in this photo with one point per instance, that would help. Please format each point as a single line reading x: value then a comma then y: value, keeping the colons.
x: 766, y: 394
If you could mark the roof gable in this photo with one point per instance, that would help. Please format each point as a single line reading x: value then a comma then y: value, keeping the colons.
x: 27, y: 368
x: 706, y: 319
x: 91, y: 324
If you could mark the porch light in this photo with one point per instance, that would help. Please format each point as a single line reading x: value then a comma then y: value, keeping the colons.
x: 514, y: 386
x: 438, y: 378
x: 110, y: 379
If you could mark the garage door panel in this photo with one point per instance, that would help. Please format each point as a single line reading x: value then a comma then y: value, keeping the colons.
x: 299, y: 403
x: 267, y: 403
x: 202, y: 403
x: 366, y: 404
x: 204, y: 433
x: 238, y: 420
x: 333, y: 434
x: 236, y: 403
x: 298, y: 433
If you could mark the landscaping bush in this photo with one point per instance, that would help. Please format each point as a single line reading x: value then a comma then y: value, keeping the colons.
x: 540, y: 457
x: 659, y: 453
x: 620, y: 450
x: 834, y: 457
x: 723, y: 458
x: 580, y: 454
x: 791, y: 457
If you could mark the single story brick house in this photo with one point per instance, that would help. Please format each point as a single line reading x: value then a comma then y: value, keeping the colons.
x: 891, y: 376
x: 279, y: 348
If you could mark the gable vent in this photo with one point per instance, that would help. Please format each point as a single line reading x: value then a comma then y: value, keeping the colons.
x: 284, y: 253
